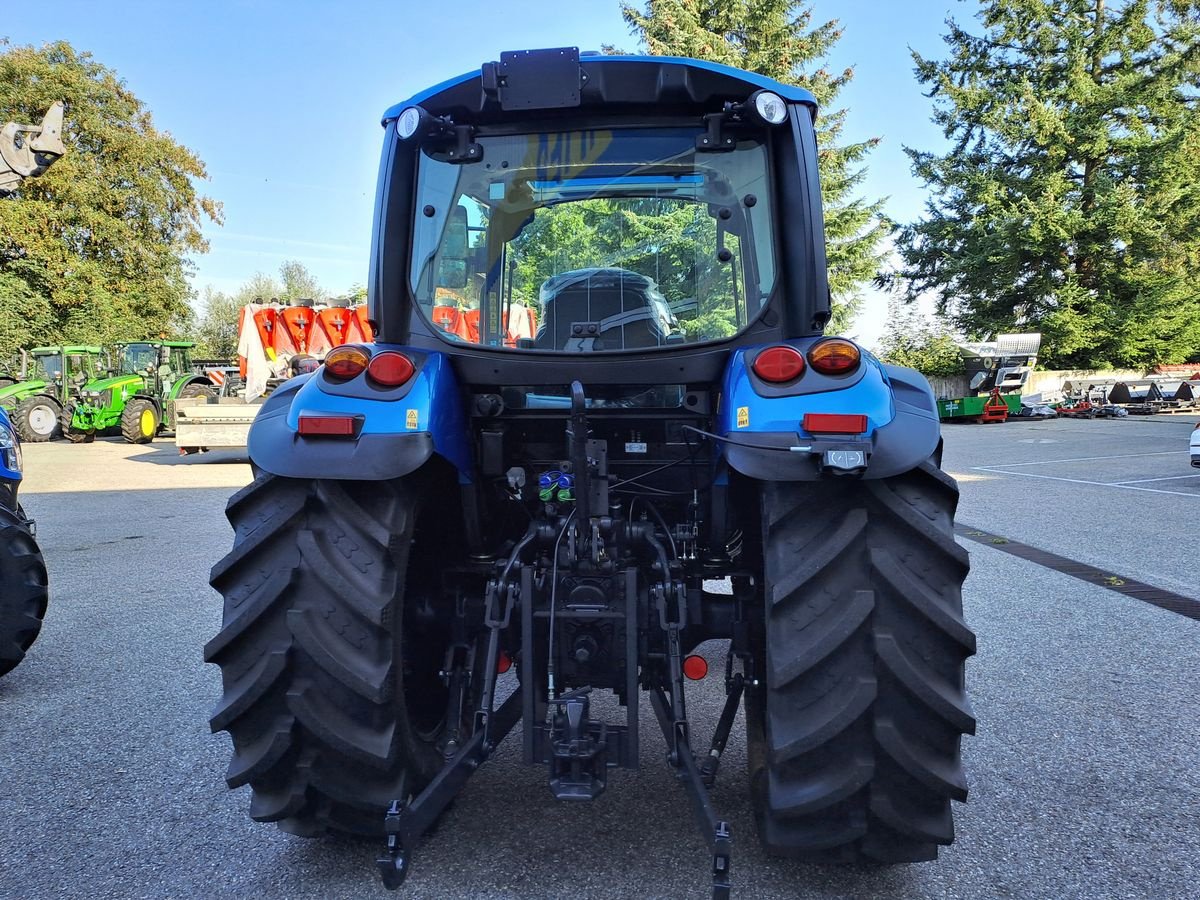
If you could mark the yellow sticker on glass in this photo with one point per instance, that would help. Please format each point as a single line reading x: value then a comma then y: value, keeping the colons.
x: 743, y: 418
x: 410, y: 420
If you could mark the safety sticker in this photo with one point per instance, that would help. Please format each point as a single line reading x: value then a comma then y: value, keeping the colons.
x: 410, y: 420
x: 743, y: 417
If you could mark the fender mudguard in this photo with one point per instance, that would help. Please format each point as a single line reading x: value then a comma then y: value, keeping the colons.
x: 903, y: 428
x: 402, y: 428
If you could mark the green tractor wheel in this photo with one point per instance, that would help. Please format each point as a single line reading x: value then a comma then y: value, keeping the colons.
x: 75, y: 436
x: 36, y: 418
x: 139, y: 421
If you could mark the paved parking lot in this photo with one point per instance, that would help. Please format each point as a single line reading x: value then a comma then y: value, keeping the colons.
x: 1083, y: 775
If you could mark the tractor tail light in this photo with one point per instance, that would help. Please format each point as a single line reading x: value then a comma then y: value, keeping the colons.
x: 834, y: 423
x: 779, y: 364
x: 834, y: 356
x: 329, y: 426
x: 346, y: 362
x: 390, y: 369
x: 695, y: 667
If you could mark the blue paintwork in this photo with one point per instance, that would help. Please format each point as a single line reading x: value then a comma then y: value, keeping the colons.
x: 7, y: 474
x: 434, y: 395
x: 786, y: 91
x: 871, y: 396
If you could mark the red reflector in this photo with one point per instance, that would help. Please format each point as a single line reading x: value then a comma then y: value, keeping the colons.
x: 503, y: 662
x: 391, y: 369
x: 695, y: 667
x: 834, y: 423
x: 778, y: 364
x: 329, y: 426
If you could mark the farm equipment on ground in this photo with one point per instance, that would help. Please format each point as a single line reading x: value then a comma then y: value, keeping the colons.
x: 140, y: 397
x: 24, y: 590
x: 999, y: 368
x: 449, y: 535
x: 39, y: 403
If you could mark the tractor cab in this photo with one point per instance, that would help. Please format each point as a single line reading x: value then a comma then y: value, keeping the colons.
x: 158, y: 362
x: 66, y: 369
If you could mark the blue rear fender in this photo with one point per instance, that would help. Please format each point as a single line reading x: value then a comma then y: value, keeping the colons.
x: 402, y: 428
x: 902, y: 428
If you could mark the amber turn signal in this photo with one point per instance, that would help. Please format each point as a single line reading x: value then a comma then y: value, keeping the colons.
x: 346, y: 362
x: 834, y: 356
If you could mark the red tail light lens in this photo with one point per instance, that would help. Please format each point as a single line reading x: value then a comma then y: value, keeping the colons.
x: 329, y: 426
x: 834, y: 423
x: 834, y: 356
x: 778, y: 365
x: 346, y: 362
x: 391, y: 369
x: 695, y: 667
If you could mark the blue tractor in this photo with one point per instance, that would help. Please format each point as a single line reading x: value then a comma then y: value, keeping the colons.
x: 23, y: 584
x: 600, y: 425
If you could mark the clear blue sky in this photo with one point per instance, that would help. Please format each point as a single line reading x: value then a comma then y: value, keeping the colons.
x: 282, y: 100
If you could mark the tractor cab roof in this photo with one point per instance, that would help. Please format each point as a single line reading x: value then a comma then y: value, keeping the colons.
x: 72, y: 348
x: 665, y: 84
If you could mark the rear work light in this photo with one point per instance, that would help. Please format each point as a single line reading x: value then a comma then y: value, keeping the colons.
x: 390, y: 369
x: 346, y: 362
x: 779, y: 364
x: 834, y: 356
x: 834, y: 423
x: 329, y: 425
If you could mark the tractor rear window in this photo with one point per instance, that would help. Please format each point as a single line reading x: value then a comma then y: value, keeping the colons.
x: 589, y: 241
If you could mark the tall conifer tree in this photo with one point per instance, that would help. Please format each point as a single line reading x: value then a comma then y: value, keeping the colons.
x: 1069, y: 200
x: 777, y: 38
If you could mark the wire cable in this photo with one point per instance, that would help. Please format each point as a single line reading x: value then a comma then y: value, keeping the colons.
x: 748, y: 446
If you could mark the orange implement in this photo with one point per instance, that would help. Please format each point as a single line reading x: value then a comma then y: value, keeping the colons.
x: 296, y: 333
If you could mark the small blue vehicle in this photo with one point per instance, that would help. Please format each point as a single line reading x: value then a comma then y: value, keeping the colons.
x: 600, y: 425
x: 23, y: 584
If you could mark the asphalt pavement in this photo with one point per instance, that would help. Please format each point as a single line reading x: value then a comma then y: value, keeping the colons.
x: 1083, y: 774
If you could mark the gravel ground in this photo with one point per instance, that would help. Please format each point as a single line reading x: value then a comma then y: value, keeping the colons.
x: 1083, y: 781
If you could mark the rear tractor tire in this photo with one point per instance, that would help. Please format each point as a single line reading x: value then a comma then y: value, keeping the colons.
x: 855, y: 735
x: 332, y: 693
x: 139, y: 421
x: 23, y: 589
x: 36, y: 418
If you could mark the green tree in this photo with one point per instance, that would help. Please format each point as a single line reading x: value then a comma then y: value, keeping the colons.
x: 299, y: 283
x: 1069, y: 199
x: 777, y: 38
x: 912, y: 339
x: 95, y: 249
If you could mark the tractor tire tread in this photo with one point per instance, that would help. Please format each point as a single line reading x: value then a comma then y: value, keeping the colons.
x: 319, y: 729
x: 864, y: 706
x: 24, y: 589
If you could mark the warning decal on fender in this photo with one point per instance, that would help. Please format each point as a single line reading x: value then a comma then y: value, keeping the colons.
x: 410, y: 420
x: 743, y: 417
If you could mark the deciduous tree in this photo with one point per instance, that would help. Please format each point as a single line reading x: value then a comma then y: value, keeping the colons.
x: 95, y: 249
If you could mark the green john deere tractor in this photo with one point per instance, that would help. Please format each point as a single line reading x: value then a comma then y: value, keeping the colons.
x: 38, y: 402
x: 139, y: 397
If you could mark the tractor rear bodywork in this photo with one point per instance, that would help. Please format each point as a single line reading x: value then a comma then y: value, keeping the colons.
x: 139, y: 397
x: 599, y: 426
